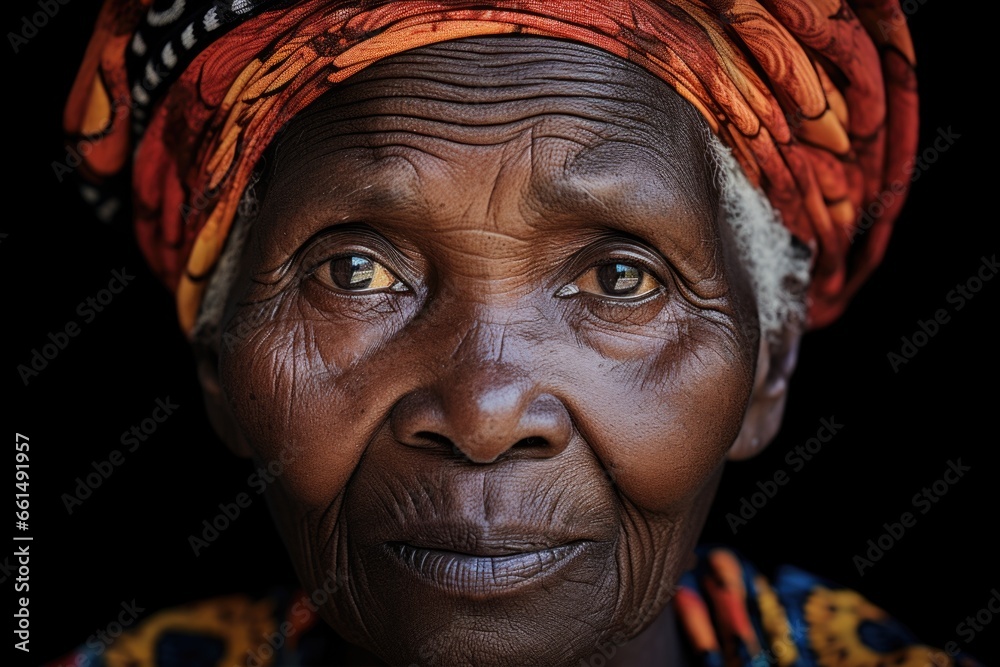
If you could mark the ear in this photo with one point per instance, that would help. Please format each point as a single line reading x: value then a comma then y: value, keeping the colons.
x: 775, y: 364
x: 219, y: 413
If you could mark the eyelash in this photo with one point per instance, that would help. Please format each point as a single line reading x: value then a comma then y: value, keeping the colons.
x: 375, y: 250
x: 606, y: 257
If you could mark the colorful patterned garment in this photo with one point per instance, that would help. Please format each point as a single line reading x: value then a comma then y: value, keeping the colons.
x: 817, y: 99
x: 730, y: 616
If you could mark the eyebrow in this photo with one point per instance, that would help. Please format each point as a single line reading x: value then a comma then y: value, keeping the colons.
x: 644, y: 183
x: 381, y: 186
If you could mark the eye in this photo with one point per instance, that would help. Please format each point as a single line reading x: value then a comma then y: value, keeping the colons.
x: 358, y: 274
x: 615, y: 280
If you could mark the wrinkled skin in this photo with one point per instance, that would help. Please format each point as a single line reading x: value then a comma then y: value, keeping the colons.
x: 500, y: 470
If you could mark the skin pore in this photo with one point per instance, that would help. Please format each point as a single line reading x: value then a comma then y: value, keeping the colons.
x: 501, y: 340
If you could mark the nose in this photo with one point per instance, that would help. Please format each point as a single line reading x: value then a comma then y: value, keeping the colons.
x: 488, y: 413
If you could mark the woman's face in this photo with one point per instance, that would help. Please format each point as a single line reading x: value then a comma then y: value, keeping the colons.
x: 492, y: 323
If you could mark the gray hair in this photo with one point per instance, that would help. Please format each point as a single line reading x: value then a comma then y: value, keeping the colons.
x: 777, y: 265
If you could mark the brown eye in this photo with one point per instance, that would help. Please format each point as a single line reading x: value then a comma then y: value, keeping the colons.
x: 358, y: 273
x: 617, y: 280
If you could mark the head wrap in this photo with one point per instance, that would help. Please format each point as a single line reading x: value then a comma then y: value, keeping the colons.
x: 816, y: 98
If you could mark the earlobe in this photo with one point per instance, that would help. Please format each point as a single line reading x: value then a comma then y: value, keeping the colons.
x: 775, y: 364
x: 216, y: 406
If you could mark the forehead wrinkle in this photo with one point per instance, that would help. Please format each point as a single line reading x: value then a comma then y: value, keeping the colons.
x: 318, y: 148
x: 483, y: 124
x: 508, y: 59
x: 580, y: 139
x: 490, y: 96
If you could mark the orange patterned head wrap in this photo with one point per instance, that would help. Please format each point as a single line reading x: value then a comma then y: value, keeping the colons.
x: 816, y: 98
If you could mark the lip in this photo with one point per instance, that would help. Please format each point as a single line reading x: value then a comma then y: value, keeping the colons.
x: 490, y: 572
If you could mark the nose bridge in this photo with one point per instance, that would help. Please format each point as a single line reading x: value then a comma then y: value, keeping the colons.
x: 484, y: 397
x: 480, y: 334
x: 481, y: 342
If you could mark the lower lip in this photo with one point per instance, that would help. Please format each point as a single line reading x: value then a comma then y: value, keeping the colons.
x: 484, y: 577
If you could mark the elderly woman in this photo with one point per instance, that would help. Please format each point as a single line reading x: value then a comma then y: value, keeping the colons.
x: 502, y: 286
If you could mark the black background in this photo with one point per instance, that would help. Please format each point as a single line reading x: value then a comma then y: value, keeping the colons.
x: 129, y: 540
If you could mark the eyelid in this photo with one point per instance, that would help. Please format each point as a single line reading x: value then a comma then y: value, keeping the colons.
x: 619, y: 247
x: 615, y: 249
x: 354, y: 239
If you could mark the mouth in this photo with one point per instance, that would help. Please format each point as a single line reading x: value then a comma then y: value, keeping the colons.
x: 488, y: 571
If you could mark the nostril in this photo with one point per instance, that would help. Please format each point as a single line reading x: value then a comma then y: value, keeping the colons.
x: 434, y: 438
x: 532, y: 442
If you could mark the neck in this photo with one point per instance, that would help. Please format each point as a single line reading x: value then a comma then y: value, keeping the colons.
x: 659, y: 645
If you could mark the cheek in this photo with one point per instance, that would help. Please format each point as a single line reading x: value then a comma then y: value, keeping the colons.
x: 661, y: 425
x: 300, y: 382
